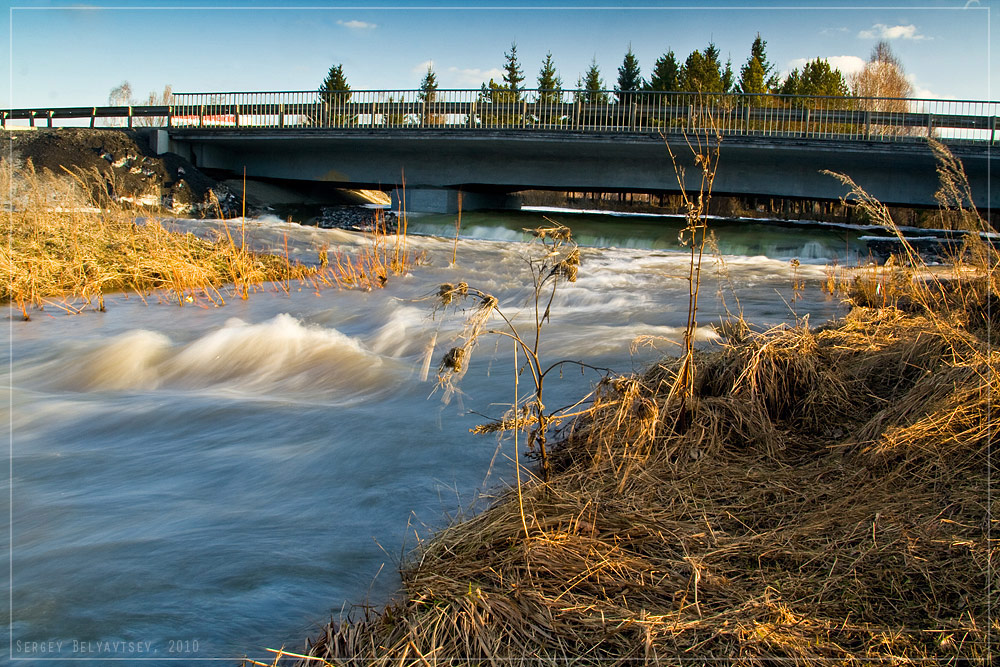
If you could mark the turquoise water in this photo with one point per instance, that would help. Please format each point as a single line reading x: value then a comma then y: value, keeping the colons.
x: 198, y: 482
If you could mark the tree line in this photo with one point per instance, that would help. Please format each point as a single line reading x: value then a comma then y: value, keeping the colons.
x: 701, y: 72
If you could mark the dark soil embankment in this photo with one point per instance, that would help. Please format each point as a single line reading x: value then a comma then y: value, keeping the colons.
x: 130, y: 171
x: 126, y: 165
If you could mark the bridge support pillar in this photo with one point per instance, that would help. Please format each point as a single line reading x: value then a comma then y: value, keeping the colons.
x: 446, y: 200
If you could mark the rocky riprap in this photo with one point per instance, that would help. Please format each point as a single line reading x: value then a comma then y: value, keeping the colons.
x: 355, y: 218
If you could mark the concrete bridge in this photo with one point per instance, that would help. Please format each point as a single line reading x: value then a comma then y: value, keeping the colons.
x: 490, y: 145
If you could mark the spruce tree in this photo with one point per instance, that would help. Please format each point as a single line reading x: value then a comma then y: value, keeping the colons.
x: 335, y: 89
x: 791, y: 84
x: 428, y: 86
x: 428, y: 94
x: 818, y: 78
x: 629, y: 78
x: 757, y: 74
x: 513, y: 75
x: 592, y: 86
x: 549, y: 82
x: 702, y: 71
x: 666, y: 74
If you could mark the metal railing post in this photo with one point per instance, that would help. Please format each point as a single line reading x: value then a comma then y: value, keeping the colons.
x: 130, y: 116
x: 236, y: 115
x: 281, y: 115
x: 93, y: 116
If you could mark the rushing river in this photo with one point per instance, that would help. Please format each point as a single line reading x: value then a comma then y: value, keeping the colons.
x: 201, y: 482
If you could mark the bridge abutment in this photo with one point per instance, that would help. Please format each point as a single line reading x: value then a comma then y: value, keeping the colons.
x: 449, y: 200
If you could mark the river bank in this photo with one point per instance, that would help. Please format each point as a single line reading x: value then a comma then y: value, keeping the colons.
x: 825, y: 497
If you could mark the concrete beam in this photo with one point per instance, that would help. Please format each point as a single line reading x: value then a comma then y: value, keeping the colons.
x: 901, y: 173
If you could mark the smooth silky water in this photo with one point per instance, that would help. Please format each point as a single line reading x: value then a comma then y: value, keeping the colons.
x: 203, y: 482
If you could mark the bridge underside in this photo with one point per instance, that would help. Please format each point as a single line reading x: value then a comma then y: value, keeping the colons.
x: 435, y: 164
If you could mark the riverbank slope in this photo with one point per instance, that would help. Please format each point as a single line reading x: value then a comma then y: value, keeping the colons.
x: 825, y: 495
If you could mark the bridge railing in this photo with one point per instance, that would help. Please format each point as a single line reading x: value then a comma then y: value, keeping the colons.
x: 882, y: 119
x: 845, y: 118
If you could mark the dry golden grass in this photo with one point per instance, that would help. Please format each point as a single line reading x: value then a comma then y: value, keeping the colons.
x: 71, y: 241
x: 826, y: 501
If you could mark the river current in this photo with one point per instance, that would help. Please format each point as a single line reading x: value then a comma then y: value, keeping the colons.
x: 201, y: 482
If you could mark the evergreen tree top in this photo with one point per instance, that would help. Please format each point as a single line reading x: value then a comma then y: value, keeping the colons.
x: 666, y: 74
x: 629, y: 76
x: 428, y: 85
x: 549, y: 82
x: 548, y: 78
x: 335, y: 86
x: 757, y: 74
x: 513, y: 75
x: 591, y: 85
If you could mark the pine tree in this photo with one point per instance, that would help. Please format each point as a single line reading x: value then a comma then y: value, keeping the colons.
x: 513, y: 75
x: 818, y: 78
x: 702, y: 71
x: 549, y: 82
x: 757, y: 75
x: 727, y: 76
x: 591, y: 86
x: 428, y: 94
x: 428, y: 86
x: 790, y: 86
x: 335, y: 89
x: 629, y: 78
x: 666, y: 74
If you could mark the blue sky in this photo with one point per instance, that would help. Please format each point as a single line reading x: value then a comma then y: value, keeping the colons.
x: 72, y: 54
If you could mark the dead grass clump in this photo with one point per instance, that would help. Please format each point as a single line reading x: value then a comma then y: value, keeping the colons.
x: 70, y: 241
x: 826, y: 502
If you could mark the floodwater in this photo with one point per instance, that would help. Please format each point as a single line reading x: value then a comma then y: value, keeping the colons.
x: 205, y: 482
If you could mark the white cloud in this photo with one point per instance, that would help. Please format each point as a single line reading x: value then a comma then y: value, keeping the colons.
x: 463, y: 78
x: 882, y: 31
x: 357, y: 25
x: 846, y: 64
x: 926, y: 93
x: 833, y: 31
